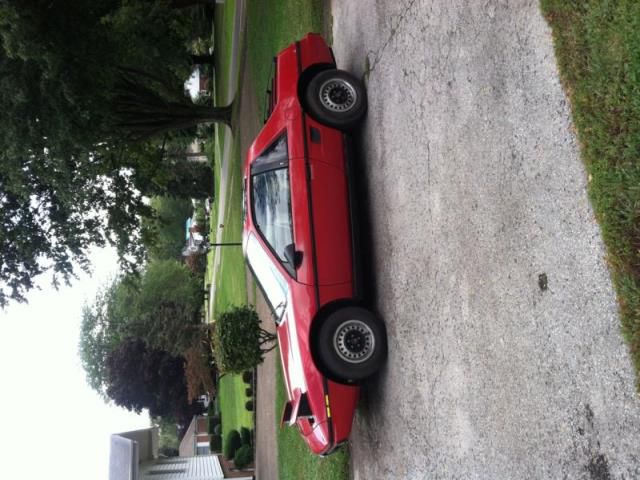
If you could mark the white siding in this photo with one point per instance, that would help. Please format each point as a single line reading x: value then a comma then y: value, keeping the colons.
x: 201, y: 467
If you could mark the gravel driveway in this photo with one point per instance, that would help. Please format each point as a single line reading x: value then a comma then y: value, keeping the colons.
x: 506, y: 360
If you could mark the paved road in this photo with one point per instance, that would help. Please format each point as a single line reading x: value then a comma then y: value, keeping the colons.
x: 505, y: 355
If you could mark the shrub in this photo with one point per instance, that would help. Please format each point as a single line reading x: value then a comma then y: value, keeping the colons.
x: 249, y: 405
x: 249, y: 392
x: 244, y: 456
x: 245, y: 435
x: 247, y: 376
x: 214, y: 421
x: 231, y: 443
x: 215, y: 443
x: 239, y: 341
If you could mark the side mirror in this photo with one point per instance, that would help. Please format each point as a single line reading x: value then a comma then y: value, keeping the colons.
x: 293, y: 256
x: 286, y: 414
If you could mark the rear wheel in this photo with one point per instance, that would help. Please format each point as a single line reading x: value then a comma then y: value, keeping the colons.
x: 351, y: 344
x: 337, y: 99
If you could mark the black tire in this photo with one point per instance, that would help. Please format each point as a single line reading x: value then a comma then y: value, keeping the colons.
x: 337, y: 99
x: 351, y: 345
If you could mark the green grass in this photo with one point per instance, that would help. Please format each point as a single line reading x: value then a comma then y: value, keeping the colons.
x: 232, y: 285
x: 230, y: 279
x: 295, y: 460
x: 598, y: 48
x: 271, y: 26
x: 232, y: 399
x: 223, y: 33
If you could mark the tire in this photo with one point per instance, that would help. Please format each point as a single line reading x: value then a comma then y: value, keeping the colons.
x: 351, y: 345
x: 337, y: 99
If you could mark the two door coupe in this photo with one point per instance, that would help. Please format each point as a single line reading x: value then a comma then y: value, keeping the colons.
x: 299, y: 241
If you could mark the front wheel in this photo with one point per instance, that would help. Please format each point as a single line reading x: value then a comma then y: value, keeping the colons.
x: 337, y: 99
x: 351, y: 345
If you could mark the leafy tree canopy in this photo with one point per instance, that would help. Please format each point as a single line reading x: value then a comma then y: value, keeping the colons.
x: 79, y: 80
x: 169, y: 224
x: 161, y: 308
x: 139, y: 377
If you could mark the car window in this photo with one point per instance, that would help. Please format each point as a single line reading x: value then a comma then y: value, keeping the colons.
x: 271, y: 199
x: 272, y: 209
x: 271, y: 281
x: 274, y: 156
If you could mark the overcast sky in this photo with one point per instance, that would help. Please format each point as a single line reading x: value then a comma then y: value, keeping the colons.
x: 53, y: 425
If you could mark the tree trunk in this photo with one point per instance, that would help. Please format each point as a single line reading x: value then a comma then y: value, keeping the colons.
x: 141, y: 112
x: 190, y: 3
x: 202, y: 59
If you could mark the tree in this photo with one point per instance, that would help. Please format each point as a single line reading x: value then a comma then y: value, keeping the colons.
x: 160, y: 308
x: 139, y: 377
x: 239, y: 341
x: 69, y: 176
x: 166, y: 309
x: 96, y: 341
x: 169, y: 227
x: 104, y: 327
x: 142, y: 112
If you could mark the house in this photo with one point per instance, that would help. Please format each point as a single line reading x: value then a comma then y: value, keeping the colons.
x: 196, y: 438
x: 134, y: 456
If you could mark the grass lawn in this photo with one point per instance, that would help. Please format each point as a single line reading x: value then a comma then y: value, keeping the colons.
x: 271, y: 26
x: 294, y: 458
x: 230, y: 278
x: 232, y: 285
x: 232, y: 400
x: 598, y: 48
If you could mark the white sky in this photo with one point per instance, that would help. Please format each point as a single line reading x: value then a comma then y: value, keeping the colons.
x: 193, y: 83
x: 52, y: 424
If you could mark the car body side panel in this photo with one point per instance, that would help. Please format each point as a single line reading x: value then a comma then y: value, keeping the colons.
x: 313, y: 49
x: 342, y: 411
x: 325, y: 144
x: 330, y: 198
x: 301, y: 220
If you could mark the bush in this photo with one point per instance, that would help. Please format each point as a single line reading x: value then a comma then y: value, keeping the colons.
x: 245, y: 435
x: 239, y: 341
x: 249, y: 405
x: 244, y: 456
x: 213, y: 423
x: 247, y: 377
x: 249, y: 392
x: 231, y: 444
x: 215, y: 443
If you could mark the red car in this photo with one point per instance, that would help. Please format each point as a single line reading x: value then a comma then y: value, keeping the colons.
x: 299, y: 241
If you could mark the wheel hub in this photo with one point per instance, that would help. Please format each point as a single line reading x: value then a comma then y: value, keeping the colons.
x: 354, y: 341
x: 338, y: 95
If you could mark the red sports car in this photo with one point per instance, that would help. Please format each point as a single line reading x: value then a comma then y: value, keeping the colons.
x: 299, y: 240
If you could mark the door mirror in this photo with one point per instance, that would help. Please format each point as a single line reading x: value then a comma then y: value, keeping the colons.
x: 293, y: 256
x: 286, y: 414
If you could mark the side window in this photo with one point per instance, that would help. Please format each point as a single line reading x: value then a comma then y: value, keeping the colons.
x: 272, y: 209
x: 275, y: 156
